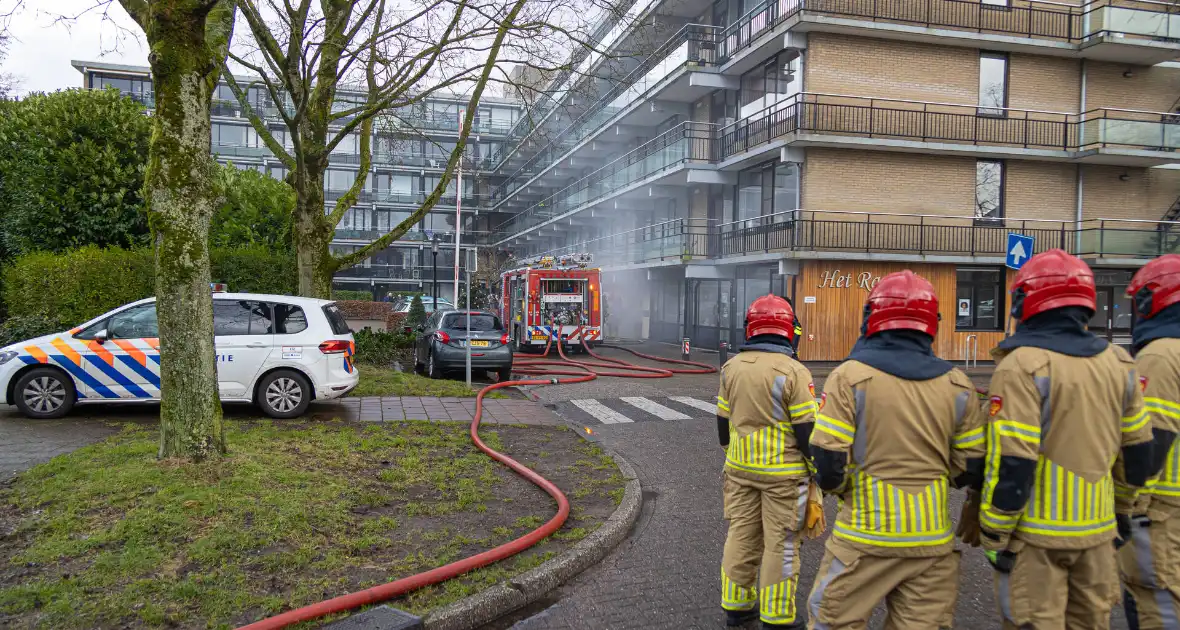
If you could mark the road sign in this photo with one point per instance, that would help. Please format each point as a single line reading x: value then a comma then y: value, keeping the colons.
x: 1020, y: 249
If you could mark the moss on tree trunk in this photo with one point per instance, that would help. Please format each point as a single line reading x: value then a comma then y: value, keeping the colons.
x: 181, y: 193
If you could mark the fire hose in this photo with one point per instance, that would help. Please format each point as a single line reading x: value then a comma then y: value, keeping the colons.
x: 575, y: 372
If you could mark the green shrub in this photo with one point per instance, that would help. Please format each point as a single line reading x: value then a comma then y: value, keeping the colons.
x: 75, y: 286
x: 349, y: 294
x: 24, y: 327
x: 380, y: 348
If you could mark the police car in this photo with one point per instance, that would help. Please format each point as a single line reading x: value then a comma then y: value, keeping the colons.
x: 276, y: 351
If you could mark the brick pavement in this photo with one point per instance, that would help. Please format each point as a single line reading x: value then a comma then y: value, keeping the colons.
x: 395, y: 408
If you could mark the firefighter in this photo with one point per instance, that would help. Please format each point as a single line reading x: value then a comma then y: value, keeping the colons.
x: 765, y: 413
x: 1068, y: 445
x: 1148, y: 560
x: 896, y: 427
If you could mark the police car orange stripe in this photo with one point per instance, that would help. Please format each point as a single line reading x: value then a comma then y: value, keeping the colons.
x: 67, y: 351
x: 37, y: 354
x: 132, y: 351
x: 103, y: 353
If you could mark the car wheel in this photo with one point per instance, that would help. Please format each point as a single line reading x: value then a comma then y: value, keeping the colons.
x: 284, y: 394
x: 419, y: 367
x: 504, y: 374
x: 44, y: 393
x: 433, y: 369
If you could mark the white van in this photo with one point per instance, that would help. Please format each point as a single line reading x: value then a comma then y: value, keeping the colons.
x: 277, y: 351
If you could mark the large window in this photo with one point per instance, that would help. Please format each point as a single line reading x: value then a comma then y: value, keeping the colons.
x: 989, y: 190
x: 993, y: 83
x: 980, y: 302
x: 776, y: 80
x: 766, y: 190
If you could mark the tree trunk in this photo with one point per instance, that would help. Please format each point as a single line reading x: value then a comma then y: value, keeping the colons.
x: 312, y: 237
x: 181, y: 195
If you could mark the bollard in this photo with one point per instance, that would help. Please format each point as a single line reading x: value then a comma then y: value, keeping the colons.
x: 684, y: 349
x: 723, y: 353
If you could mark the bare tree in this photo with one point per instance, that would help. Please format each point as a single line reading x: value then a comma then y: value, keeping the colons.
x: 358, y: 66
x: 189, y: 40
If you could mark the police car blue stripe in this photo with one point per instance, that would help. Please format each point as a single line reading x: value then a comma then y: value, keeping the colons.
x: 142, y: 370
x: 79, y: 374
x: 155, y: 357
x: 120, y: 379
x: 28, y: 359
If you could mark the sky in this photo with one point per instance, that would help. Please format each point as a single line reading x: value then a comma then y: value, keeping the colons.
x: 40, y: 51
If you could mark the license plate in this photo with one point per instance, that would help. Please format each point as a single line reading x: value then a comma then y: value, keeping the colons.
x: 479, y: 344
x: 539, y: 337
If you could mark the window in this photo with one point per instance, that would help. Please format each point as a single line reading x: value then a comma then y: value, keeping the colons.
x: 993, y: 83
x: 335, y: 319
x: 989, y: 190
x: 980, y: 295
x: 289, y: 319
x: 479, y: 323
x: 134, y: 323
x: 240, y: 317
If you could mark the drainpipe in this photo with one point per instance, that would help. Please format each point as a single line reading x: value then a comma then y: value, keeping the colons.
x: 1081, y: 127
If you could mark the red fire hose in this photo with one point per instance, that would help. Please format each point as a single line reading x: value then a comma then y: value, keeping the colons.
x: 576, y: 372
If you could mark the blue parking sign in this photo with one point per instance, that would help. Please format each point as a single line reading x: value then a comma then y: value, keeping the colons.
x: 1020, y: 249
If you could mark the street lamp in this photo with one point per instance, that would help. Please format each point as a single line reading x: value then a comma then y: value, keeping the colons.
x: 434, y: 252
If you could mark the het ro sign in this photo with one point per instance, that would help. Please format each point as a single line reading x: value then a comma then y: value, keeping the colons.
x: 833, y: 280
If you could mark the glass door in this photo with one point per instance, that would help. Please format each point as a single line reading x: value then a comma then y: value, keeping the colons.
x: 709, y: 312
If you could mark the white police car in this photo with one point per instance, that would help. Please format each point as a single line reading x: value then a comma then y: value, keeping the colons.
x: 276, y: 351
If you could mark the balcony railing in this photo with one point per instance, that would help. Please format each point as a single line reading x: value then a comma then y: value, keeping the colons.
x: 949, y: 123
x: 687, y: 142
x: 692, y: 45
x: 803, y: 230
x: 1130, y: 19
x: 402, y: 272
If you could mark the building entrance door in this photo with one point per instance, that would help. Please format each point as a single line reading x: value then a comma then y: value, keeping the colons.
x: 709, y: 317
x: 1115, y: 312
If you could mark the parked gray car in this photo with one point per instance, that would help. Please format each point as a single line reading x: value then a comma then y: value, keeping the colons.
x: 441, y: 344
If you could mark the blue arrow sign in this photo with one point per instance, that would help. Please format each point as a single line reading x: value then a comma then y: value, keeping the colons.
x: 1020, y: 249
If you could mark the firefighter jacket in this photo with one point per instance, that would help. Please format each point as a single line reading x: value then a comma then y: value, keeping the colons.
x: 764, y: 395
x: 1069, y: 444
x: 905, y: 442
x: 1158, y: 364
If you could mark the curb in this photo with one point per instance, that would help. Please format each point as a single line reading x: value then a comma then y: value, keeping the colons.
x: 526, y: 588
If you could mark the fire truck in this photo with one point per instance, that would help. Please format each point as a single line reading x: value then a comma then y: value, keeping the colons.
x: 555, y: 298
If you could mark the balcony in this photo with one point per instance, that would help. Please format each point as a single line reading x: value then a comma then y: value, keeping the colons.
x: 1143, y: 32
x: 692, y: 47
x: 409, y: 273
x: 686, y: 143
x: 1102, y: 136
x: 903, y: 235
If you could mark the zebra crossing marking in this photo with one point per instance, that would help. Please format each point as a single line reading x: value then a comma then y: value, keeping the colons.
x: 693, y: 402
x: 601, y: 412
x: 654, y: 408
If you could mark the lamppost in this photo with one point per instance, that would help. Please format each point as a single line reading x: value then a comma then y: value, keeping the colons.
x: 434, y: 252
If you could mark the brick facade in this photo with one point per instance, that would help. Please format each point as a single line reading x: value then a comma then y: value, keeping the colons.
x: 1152, y: 88
x: 860, y: 66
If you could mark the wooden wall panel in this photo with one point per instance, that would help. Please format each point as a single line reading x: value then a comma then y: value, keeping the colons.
x: 835, y: 318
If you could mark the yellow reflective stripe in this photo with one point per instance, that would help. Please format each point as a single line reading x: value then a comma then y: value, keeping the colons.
x: 803, y: 409
x: 777, y: 602
x: 881, y: 539
x: 735, y: 596
x: 1026, y: 432
x: 722, y: 404
x: 785, y: 469
x: 1133, y: 423
x: 971, y: 438
x: 1160, y: 405
x: 834, y: 427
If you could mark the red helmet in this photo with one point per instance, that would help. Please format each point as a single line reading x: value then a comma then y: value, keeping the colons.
x: 770, y: 315
x: 1156, y: 286
x: 1050, y: 280
x: 902, y: 301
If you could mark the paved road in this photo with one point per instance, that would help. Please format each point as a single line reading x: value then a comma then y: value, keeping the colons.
x: 667, y: 573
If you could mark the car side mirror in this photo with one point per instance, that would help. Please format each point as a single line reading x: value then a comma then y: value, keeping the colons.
x: 102, y: 336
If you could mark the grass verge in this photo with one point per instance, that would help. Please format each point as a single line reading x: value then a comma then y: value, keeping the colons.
x: 384, y: 381
x: 108, y: 536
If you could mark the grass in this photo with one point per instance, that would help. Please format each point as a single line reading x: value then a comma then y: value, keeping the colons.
x: 384, y: 381
x: 108, y: 536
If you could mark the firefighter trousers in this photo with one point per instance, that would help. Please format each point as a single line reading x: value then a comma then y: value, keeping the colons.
x: 918, y: 592
x: 1055, y: 589
x: 760, y: 564
x: 1150, y: 567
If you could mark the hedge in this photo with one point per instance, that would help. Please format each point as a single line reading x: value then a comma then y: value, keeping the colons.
x: 70, y: 288
x: 351, y: 295
x: 380, y: 348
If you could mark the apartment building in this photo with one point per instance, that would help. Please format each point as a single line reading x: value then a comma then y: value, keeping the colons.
x: 809, y: 147
x: 410, y: 149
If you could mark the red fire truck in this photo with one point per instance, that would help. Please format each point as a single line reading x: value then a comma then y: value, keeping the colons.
x: 553, y: 297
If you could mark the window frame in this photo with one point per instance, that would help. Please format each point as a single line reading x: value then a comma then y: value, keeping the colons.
x: 1001, y: 206
x: 250, y: 324
x: 992, y: 111
x: 1001, y: 300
